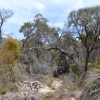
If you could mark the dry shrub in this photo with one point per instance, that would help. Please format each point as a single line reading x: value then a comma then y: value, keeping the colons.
x: 92, y: 90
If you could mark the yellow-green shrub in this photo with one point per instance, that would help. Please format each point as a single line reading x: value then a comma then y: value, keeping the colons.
x: 10, y: 51
x: 4, y: 91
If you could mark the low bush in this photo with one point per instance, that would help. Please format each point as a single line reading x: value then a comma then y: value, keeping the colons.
x: 75, y: 72
x: 50, y: 83
x: 4, y: 91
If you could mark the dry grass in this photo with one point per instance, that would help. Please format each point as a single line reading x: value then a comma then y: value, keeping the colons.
x: 92, y: 90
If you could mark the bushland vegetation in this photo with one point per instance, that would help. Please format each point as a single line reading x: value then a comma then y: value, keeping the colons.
x: 50, y: 50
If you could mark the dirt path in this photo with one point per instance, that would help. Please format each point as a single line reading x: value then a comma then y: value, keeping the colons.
x: 45, y: 89
x: 25, y: 92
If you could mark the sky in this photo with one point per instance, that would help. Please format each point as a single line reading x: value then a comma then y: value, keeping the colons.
x: 56, y: 11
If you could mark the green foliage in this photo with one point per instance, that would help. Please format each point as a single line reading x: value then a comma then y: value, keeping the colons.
x: 75, y: 72
x: 75, y: 76
x: 44, y: 98
x: 58, y: 58
x: 84, y: 21
x: 90, y: 37
x: 25, y: 28
x: 4, y: 91
x: 50, y: 83
x: 75, y: 69
x: 37, y: 33
x: 94, y: 65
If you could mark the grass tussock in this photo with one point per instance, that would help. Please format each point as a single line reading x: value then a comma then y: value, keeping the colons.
x: 92, y: 90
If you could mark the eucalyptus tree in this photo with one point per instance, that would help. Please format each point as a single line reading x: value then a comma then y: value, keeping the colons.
x: 4, y: 15
x: 37, y: 34
x: 85, y: 24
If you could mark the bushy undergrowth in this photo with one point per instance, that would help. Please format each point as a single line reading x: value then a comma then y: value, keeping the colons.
x: 75, y: 72
x: 92, y: 91
x: 94, y: 65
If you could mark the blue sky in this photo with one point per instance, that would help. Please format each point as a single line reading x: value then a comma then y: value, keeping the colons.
x: 56, y: 11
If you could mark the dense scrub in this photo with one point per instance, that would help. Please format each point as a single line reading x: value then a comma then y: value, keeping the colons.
x: 51, y: 50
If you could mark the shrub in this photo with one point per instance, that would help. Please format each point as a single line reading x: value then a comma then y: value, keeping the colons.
x: 50, y: 82
x: 10, y: 51
x: 4, y: 91
x: 44, y: 98
x: 94, y: 65
x: 75, y: 72
x: 74, y: 69
x: 58, y: 58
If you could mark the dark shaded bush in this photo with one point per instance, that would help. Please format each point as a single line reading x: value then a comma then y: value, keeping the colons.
x: 60, y: 70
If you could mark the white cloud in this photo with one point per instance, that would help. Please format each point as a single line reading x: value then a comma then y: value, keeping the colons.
x: 38, y: 5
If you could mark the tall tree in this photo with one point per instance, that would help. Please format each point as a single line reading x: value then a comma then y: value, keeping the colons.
x: 36, y: 33
x: 86, y: 25
x: 4, y: 15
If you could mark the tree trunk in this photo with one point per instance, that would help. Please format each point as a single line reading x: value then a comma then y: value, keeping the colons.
x: 83, y: 75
